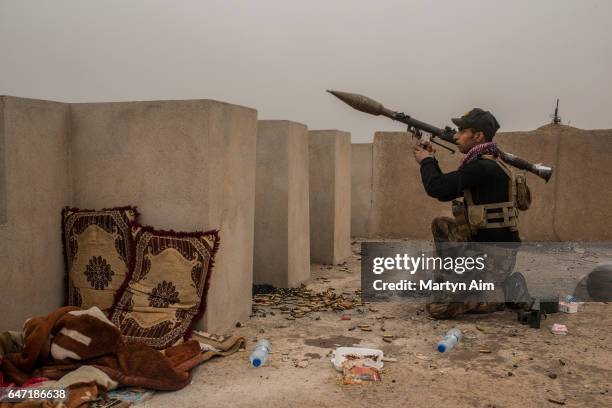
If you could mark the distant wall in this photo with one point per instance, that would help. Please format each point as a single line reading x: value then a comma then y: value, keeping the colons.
x: 361, y: 189
x: 583, y: 201
x: 538, y: 146
x: 35, y: 185
x: 400, y: 206
x: 574, y: 205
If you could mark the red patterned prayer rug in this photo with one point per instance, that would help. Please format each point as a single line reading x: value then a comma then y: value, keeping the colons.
x: 166, y: 292
x: 96, y: 254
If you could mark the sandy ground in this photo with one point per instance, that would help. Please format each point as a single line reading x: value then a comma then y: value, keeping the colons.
x: 525, y: 367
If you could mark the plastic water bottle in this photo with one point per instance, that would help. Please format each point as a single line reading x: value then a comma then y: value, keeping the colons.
x: 260, y: 353
x: 450, y: 340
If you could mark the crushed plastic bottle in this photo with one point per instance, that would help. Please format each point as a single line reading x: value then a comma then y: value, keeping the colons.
x: 450, y: 340
x: 260, y: 353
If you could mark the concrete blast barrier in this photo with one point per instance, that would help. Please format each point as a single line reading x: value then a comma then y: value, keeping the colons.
x: 187, y: 165
x: 330, y: 195
x: 282, y: 241
x: 34, y: 186
x: 361, y: 189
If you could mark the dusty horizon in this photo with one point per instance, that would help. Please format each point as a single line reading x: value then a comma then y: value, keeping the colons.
x: 432, y: 62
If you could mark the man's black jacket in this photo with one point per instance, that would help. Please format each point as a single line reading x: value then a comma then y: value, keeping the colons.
x: 484, y: 178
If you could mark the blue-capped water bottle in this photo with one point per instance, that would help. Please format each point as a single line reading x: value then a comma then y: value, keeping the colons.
x: 450, y: 340
x: 260, y: 353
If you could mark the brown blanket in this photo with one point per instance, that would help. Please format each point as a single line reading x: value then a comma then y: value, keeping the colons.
x: 69, y: 338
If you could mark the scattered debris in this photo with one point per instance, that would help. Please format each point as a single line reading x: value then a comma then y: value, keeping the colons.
x: 571, y: 307
x: 568, y: 299
x: 301, y: 302
x: 560, y: 329
x: 450, y: 340
x: 548, y: 305
x: 356, y: 372
x: 129, y: 396
x: 303, y: 364
x: 369, y: 357
x: 263, y: 289
x: 556, y: 401
x: 261, y: 353
x: 532, y: 318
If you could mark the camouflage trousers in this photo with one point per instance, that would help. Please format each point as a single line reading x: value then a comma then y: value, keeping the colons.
x: 499, y: 264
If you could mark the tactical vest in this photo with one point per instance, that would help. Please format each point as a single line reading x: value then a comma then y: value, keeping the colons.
x: 471, y: 217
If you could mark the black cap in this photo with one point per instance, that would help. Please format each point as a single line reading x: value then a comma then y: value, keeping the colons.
x: 478, y: 119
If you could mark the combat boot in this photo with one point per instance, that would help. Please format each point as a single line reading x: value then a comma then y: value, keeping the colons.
x: 516, y: 292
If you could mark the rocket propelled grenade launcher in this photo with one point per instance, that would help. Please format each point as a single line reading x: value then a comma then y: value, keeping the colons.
x: 416, y: 127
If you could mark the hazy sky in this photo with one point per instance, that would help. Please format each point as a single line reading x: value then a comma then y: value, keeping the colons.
x: 431, y: 59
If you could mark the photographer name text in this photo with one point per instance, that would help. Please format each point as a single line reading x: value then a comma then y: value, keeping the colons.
x: 430, y: 285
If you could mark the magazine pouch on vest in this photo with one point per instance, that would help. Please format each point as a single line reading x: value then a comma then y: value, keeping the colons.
x: 472, y: 217
x: 521, y: 193
x: 460, y: 214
